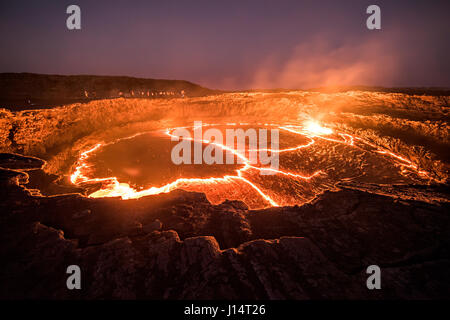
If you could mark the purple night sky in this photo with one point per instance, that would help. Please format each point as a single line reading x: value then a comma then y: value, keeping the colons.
x: 233, y: 44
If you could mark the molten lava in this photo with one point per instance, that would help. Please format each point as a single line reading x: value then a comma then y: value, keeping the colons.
x: 329, y: 157
x: 317, y: 129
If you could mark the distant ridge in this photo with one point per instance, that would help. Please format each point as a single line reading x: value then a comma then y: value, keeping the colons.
x: 21, y: 91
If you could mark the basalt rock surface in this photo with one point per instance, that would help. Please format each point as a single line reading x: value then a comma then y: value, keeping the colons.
x: 180, y: 246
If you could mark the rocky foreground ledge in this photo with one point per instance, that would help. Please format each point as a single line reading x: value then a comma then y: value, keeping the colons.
x: 179, y: 246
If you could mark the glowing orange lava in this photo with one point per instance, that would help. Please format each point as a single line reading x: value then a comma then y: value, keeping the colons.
x: 316, y: 128
x: 111, y: 187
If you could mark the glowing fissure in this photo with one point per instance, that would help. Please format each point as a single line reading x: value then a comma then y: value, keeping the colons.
x: 111, y: 187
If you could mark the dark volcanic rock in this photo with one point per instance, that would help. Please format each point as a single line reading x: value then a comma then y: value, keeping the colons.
x: 16, y: 161
x: 179, y: 246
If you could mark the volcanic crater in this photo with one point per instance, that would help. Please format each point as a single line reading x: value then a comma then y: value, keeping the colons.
x: 93, y: 184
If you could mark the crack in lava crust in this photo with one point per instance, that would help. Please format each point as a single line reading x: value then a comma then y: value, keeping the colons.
x: 247, y: 184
